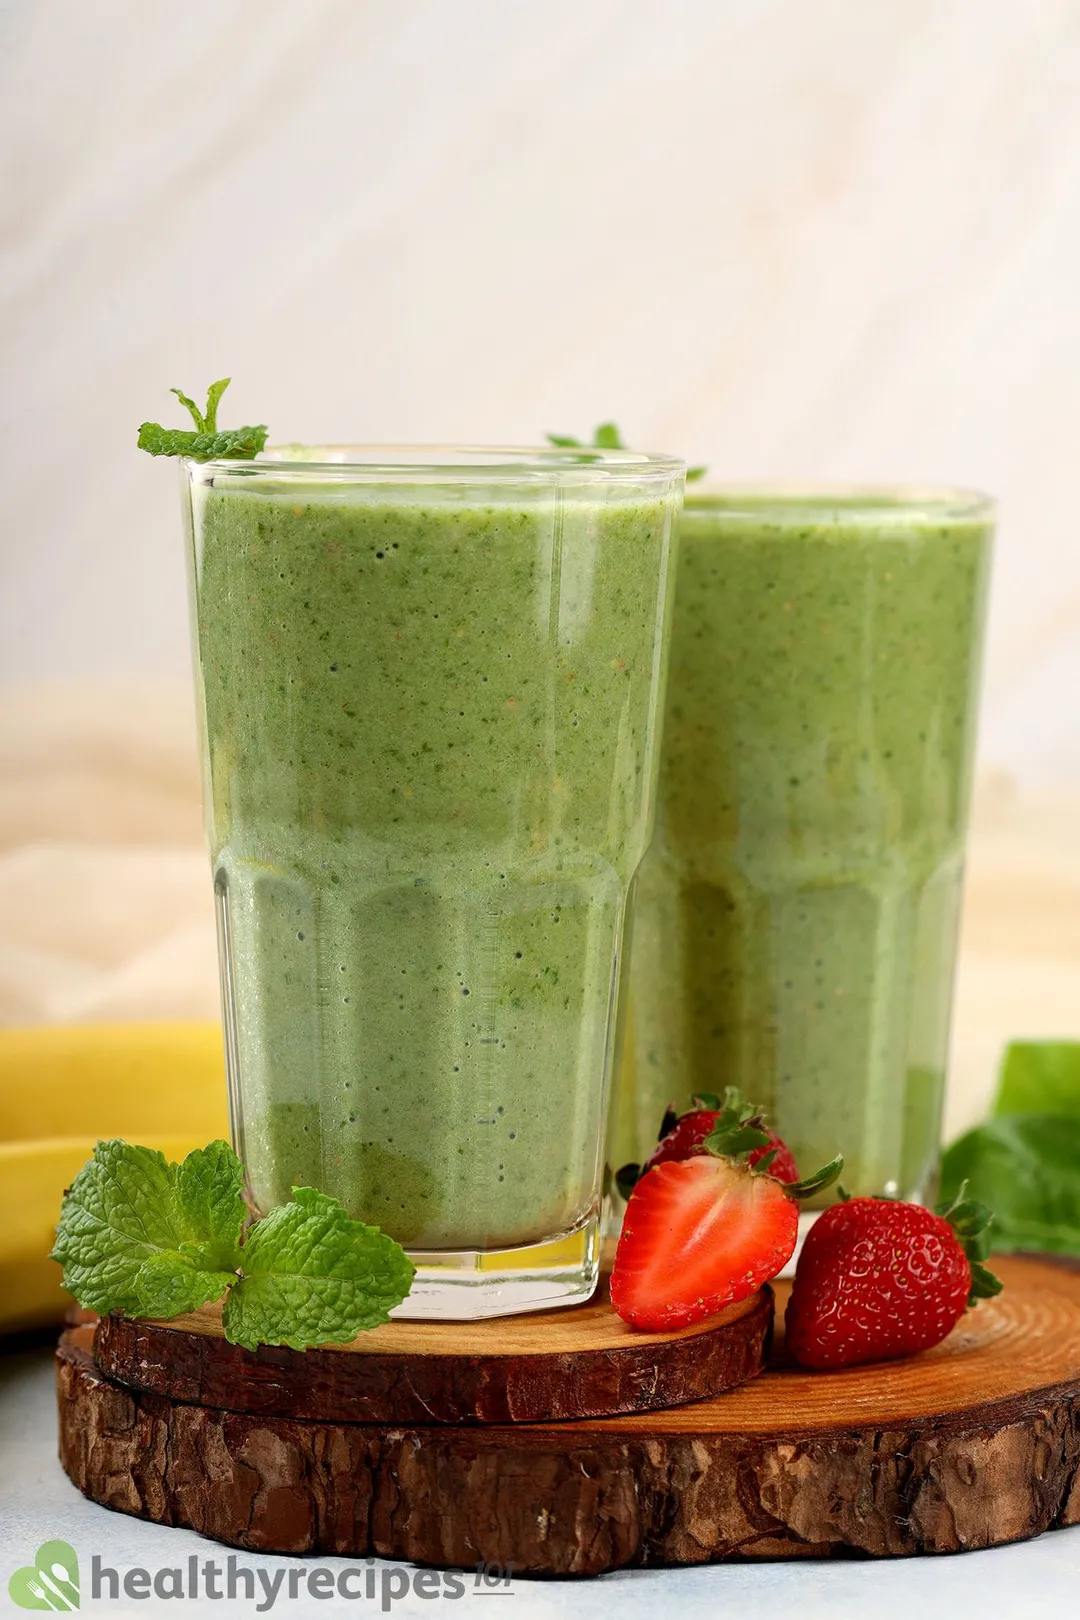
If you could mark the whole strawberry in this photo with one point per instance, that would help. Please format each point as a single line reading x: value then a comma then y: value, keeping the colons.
x: 683, y: 1135
x: 878, y: 1279
x: 705, y: 1231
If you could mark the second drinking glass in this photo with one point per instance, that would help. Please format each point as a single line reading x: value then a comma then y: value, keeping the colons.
x: 429, y: 692
x: 795, y: 920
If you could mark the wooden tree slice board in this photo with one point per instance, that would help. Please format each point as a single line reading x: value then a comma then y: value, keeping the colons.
x: 970, y: 1445
x: 542, y: 1367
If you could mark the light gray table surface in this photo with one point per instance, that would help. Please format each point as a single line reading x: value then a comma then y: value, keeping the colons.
x: 37, y: 1503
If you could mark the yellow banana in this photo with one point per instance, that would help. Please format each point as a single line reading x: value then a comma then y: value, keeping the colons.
x: 62, y: 1089
x: 111, y: 1080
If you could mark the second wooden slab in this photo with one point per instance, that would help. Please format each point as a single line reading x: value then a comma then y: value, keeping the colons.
x: 577, y: 1363
x: 973, y: 1444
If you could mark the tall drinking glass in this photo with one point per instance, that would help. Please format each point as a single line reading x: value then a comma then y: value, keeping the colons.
x: 795, y: 920
x: 429, y: 685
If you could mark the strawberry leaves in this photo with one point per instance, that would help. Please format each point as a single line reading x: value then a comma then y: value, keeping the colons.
x: 627, y: 1177
x: 809, y: 1185
x: 738, y: 1129
x: 971, y: 1221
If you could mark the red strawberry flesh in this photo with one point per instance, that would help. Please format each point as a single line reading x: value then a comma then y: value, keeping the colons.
x: 699, y: 1234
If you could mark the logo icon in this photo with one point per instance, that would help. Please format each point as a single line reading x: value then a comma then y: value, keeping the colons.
x: 50, y: 1582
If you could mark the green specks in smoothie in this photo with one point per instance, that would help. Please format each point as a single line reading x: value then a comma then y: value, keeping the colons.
x: 398, y: 1191
x: 795, y: 916
x: 456, y: 904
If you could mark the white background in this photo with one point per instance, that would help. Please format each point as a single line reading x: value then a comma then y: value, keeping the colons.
x: 791, y: 238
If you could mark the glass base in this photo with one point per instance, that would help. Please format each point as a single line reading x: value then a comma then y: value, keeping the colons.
x: 465, y: 1285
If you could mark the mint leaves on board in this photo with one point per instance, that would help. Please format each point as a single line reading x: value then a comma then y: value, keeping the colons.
x: 127, y: 1237
x: 205, y: 443
x: 1025, y: 1159
x: 310, y: 1274
x: 143, y: 1236
x: 608, y: 437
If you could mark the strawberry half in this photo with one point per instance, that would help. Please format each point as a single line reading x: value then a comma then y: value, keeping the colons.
x: 704, y: 1232
x: 878, y: 1279
x: 686, y: 1136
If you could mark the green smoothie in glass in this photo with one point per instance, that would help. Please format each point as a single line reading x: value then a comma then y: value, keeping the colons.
x: 795, y: 919
x: 430, y: 694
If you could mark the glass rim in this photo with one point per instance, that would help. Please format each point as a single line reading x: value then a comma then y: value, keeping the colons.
x: 441, y: 463
x: 790, y: 503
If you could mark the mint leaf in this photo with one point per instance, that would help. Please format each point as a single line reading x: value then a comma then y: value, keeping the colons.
x: 205, y: 421
x: 311, y: 1275
x: 205, y: 443
x: 190, y: 405
x: 608, y: 437
x: 1039, y: 1077
x: 210, y: 1199
x: 170, y: 1283
x: 119, y: 1213
x: 605, y: 437
x: 1026, y: 1167
x: 239, y: 444
x: 141, y: 1235
x: 213, y: 399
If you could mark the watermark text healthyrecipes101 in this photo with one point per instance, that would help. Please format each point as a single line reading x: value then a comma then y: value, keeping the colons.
x: 52, y: 1582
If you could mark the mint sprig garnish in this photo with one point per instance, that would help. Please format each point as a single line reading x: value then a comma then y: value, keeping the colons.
x: 205, y: 443
x: 311, y: 1275
x: 128, y: 1237
x: 239, y: 444
x: 141, y: 1235
x: 608, y: 437
x: 605, y: 437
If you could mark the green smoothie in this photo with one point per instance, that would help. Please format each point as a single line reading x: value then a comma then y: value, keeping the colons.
x: 795, y: 918
x: 430, y: 720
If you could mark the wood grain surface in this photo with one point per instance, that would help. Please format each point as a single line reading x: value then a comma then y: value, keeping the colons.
x: 970, y: 1445
x: 544, y: 1366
